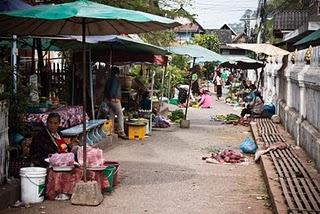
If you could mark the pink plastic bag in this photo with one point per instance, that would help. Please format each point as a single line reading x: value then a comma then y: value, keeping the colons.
x: 94, y: 157
x: 61, y: 159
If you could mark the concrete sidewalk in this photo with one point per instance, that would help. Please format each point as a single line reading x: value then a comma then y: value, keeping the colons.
x: 164, y: 173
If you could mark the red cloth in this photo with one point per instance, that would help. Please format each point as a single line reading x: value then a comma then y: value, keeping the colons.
x: 60, y: 142
x: 64, y: 182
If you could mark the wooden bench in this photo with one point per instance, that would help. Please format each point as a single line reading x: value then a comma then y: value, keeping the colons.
x: 94, y: 132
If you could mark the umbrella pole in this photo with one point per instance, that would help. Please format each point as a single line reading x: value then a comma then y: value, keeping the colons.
x: 189, y: 91
x: 91, y: 85
x: 84, y: 66
x: 162, y: 82
x: 151, y: 95
x: 14, y: 63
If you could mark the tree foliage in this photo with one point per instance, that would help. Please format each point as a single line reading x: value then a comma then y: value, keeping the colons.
x: 209, y: 41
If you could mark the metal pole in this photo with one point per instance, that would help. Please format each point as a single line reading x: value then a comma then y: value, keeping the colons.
x: 84, y: 67
x: 14, y: 63
x: 91, y: 84
x: 72, y: 83
x: 189, y: 91
x: 151, y: 95
x: 162, y: 82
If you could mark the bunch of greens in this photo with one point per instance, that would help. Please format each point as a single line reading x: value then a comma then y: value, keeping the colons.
x: 176, y: 115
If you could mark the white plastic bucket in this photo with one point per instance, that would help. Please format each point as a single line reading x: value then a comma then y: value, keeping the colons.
x: 33, y: 181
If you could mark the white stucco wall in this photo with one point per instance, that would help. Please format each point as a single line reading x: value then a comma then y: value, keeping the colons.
x: 296, y: 88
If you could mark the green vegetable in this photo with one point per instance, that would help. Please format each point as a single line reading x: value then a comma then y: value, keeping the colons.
x: 176, y: 115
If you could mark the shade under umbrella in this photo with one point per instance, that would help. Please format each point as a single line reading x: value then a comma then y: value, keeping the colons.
x: 264, y: 48
x: 81, y: 17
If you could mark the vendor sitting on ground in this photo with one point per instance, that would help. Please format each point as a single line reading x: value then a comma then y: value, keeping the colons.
x: 255, y: 106
x: 206, y: 99
x: 49, y: 141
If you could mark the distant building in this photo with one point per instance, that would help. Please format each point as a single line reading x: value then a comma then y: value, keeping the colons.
x: 226, y: 36
x: 188, y: 28
x: 292, y: 26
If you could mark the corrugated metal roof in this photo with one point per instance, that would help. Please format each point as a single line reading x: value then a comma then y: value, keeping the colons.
x: 290, y: 20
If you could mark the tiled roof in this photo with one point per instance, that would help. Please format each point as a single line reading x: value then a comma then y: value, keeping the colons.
x: 290, y: 20
x: 225, y: 36
x: 190, y: 27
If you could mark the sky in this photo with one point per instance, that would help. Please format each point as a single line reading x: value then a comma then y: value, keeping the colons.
x: 215, y: 13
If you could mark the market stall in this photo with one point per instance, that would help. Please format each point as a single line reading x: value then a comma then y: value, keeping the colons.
x: 80, y: 17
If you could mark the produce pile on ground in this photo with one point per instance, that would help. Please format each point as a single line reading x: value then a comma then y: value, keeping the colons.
x: 225, y: 156
x: 232, y: 99
x: 176, y: 115
x: 229, y: 118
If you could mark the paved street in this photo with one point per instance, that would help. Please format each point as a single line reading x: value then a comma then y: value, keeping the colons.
x: 165, y: 174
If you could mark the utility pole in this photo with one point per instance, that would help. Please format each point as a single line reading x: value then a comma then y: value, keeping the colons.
x: 262, y: 13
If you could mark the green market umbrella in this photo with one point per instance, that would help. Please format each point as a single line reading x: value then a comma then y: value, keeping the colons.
x: 116, y: 43
x: 81, y: 17
x: 75, y: 17
x: 200, y: 53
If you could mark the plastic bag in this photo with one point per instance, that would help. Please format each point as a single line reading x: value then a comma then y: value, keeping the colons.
x: 61, y: 159
x: 94, y: 157
x: 248, y: 146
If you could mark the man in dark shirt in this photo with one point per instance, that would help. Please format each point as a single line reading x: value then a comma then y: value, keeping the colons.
x: 112, y: 93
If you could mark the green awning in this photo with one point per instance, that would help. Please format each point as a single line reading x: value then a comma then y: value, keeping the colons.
x: 308, y: 39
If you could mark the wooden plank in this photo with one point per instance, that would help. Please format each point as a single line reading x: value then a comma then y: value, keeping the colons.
x: 294, y: 194
x: 301, y: 168
x: 302, y: 194
x: 294, y: 167
x: 284, y: 169
x: 311, y: 197
x: 287, y: 196
x: 313, y: 189
x: 276, y: 165
x: 289, y: 167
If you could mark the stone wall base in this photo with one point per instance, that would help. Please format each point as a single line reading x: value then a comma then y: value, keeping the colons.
x: 305, y: 135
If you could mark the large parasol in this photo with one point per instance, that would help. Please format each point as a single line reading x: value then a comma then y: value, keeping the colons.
x: 263, y: 48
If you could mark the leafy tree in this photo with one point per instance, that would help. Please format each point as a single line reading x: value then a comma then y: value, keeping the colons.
x: 179, y: 61
x: 209, y: 41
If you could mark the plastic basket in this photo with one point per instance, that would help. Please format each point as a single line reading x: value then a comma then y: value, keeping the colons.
x: 109, y: 173
x: 116, y: 176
